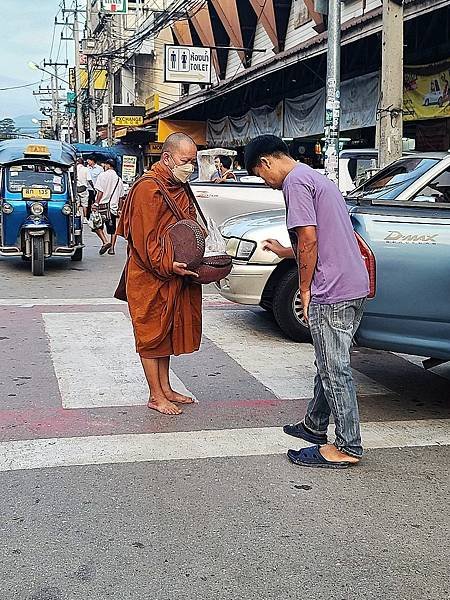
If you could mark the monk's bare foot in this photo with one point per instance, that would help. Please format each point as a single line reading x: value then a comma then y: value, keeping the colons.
x: 331, y: 453
x: 164, y: 406
x: 174, y: 396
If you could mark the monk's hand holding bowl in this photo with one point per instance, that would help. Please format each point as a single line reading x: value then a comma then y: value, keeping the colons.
x: 181, y: 270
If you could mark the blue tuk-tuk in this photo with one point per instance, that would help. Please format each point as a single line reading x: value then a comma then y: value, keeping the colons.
x: 39, y: 215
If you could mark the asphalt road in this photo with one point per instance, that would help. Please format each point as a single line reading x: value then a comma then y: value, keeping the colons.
x: 102, y: 499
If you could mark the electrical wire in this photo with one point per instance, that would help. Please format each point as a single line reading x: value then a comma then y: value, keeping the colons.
x: 18, y: 87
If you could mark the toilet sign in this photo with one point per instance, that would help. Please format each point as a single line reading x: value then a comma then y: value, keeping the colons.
x: 187, y: 64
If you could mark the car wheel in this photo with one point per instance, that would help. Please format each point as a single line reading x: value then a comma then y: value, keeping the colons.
x: 441, y: 101
x: 427, y: 102
x: 287, y: 308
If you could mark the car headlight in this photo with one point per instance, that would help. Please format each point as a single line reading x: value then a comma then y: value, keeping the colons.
x: 66, y: 209
x: 37, y: 209
x: 7, y: 208
x: 245, y: 250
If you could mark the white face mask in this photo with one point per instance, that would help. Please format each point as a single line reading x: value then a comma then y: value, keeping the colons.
x: 182, y: 173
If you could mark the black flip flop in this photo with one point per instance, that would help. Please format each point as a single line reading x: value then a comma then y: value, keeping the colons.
x: 299, y: 431
x: 104, y: 249
x: 311, y: 457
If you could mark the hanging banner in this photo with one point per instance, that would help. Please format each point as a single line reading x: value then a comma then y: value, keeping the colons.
x: 427, y: 91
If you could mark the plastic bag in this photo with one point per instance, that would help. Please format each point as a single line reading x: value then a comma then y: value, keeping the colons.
x: 214, y: 242
x: 95, y: 221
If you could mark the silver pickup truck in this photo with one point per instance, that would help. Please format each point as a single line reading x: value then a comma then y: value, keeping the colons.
x: 221, y: 201
x: 401, y: 218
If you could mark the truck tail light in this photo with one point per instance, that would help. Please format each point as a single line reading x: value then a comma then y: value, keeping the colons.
x: 369, y: 260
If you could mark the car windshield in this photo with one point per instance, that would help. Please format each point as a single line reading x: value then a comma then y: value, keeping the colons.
x: 21, y: 177
x: 390, y: 182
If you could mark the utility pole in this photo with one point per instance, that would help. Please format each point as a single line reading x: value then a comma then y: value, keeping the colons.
x: 91, y: 76
x: 55, y: 89
x: 390, y: 114
x: 76, y: 39
x: 333, y: 92
x: 110, y: 82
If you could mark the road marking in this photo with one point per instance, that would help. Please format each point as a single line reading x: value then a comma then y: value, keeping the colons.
x: 190, y: 445
x: 208, y: 299
x: 95, y: 360
x: 285, y: 367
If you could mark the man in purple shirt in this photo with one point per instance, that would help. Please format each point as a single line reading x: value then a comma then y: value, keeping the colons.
x: 334, y: 283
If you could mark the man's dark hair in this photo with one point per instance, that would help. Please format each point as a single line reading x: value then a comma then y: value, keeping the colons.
x: 111, y: 162
x: 226, y: 161
x: 93, y: 158
x: 263, y: 145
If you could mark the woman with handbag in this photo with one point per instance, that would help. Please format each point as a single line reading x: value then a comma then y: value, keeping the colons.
x: 164, y: 302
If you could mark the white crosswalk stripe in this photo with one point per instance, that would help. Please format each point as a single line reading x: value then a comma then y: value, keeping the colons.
x: 185, y: 445
x: 283, y: 366
x: 96, y: 364
x: 95, y: 360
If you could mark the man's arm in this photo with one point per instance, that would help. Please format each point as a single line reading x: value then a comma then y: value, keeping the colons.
x: 278, y: 249
x: 307, y: 262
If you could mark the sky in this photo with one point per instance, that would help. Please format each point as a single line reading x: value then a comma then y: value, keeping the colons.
x: 26, y: 35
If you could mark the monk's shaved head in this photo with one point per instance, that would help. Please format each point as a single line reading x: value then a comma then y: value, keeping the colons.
x: 178, y: 141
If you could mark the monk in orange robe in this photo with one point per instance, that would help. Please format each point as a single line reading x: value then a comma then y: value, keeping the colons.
x: 164, y: 302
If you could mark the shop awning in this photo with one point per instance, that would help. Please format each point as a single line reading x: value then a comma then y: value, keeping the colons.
x: 196, y: 129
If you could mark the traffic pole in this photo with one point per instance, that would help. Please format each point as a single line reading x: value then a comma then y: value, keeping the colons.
x: 333, y: 92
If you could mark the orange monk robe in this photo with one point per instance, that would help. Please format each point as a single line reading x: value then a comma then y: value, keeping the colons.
x: 166, y: 309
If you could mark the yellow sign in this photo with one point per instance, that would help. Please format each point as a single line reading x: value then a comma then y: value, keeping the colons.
x: 37, y: 150
x: 127, y: 120
x: 427, y: 92
x: 154, y: 148
x: 100, y: 79
x: 40, y: 193
x: 119, y: 133
x: 152, y: 103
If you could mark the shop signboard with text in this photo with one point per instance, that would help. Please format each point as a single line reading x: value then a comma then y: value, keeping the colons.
x: 128, y: 116
x: 119, y: 7
x: 129, y: 164
x: 187, y: 64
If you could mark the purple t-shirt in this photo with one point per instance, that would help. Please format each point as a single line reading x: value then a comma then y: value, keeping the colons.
x: 312, y: 199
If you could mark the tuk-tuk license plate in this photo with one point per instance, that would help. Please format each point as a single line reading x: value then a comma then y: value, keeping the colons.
x: 40, y: 193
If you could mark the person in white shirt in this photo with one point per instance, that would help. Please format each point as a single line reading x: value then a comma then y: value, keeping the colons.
x: 84, y: 182
x: 110, y: 193
x: 95, y: 169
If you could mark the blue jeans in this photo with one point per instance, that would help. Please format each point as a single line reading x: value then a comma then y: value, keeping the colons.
x: 332, y: 329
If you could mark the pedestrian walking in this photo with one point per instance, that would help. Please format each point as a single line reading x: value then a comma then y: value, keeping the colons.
x: 110, y: 195
x: 84, y: 182
x: 333, y: 283
x: 164, y: 301
x: 94, y: 169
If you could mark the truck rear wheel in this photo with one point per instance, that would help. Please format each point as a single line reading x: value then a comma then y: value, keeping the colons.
x: 37, y: 255
x: 287, y: 308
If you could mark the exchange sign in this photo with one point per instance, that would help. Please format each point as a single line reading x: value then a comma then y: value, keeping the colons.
x: 187, y: 64
x: 128, y: 120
